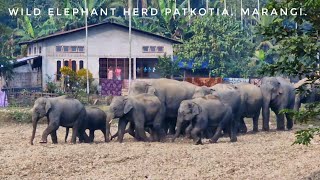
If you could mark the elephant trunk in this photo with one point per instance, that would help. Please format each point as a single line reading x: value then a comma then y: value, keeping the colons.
x: 297, y: 103
x: 110, y: 117
x: 35, y: 119
x: 178, y: 130
x: 265, y: 114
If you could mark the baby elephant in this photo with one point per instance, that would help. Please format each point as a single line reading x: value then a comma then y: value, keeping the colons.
x: 142, y: 111
x: 205, y: 113
x: 96, y: 120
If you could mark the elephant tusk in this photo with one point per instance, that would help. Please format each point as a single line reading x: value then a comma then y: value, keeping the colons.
x: 110, y: 122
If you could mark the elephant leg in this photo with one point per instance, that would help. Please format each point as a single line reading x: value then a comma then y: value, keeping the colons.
x: 165, y: 127
x: 54, y: 137
x: 121, y: 129
x: 91, y: 136
x: 159, y: 132
x: 195, y: 133
x: 53, y: 126
x: 280, y: 121
x: 171, y: 125
x: 75, y: 130
x: 265, y: 116
x: 136, y: 136
x: 242, y: 128
x: 217, y: 135
x: 67, y: 133
x: 114, y: 136
x: 209, y: 133
x: 289, y: 121
x: 84, y: 137
x: 79, y: 129
x: 188, y: 131
x: 139, y: 129
x: 255, y: 123
x: 104, y: 132
x: 233, y: 130
x: 130, y: 130
x: 178, y: 130
x: 107, y: 132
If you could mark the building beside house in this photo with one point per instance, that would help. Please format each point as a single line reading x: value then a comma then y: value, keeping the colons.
x: 108, y: 52
x: 27, y: 74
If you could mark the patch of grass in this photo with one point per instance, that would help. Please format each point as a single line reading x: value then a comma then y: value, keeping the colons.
x: 18, y: 115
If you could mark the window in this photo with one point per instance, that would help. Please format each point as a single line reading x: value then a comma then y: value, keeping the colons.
x: 74, y: 66
x: 160, y: 49
x: 29, y: 50
x: 35, y: 50
x: 145, y: 49
x: 81, y: 64
x: 80, y: 48
x: 73, y: 48
x: 65, y: 48
x: 58, y: 48
x: 146, y: 68
x: 152, y: 49
x: 58, y: 70
x: 65, y: 63
x: 40, y: 50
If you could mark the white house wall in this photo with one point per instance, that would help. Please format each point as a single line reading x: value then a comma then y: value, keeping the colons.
x: 105, y: 41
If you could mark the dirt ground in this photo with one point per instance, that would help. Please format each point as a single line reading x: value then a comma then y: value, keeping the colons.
x: 255, y: 156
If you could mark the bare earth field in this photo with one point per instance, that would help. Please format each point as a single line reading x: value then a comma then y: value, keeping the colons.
x: 255, y: 156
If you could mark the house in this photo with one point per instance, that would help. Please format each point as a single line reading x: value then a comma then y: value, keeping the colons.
x: 108, y: 48
x: 26, y: 75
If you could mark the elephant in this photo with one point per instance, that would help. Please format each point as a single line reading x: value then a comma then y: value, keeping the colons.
x: 231, y: 96
x: 142, y: 111
x: 278, y: 94
x: 60, y: 111
x: 170, y: 92
x: 251, y: 97
x: 244, y: 98
x: 96, y: 120
x: 206, y: 113
x: 310, y: 95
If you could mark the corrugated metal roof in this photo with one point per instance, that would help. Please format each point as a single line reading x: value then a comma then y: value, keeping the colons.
x: 95, y: 25
x: 26, y: 58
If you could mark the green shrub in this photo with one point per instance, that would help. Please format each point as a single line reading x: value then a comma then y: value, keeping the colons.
x: 20, y: 116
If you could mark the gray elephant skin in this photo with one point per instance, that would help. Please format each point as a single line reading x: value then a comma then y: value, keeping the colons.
x: 311, y: 95
x: 206, y: 113
x: 278, y: 94
x: 251, y: 97
x: 60, y: 111
x: 142, y: 111
x: 244, y: 98
x: 96, y: 119
x: 231, y: 96
x: 170, y: 92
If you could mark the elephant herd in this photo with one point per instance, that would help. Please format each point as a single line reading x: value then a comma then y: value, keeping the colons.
x: 164, y: 107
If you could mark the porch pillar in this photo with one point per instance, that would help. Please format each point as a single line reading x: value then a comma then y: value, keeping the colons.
x: 134, y: 68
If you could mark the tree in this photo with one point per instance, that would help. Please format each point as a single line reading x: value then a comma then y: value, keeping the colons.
x: 220, y: 42
x: 167, y: 67
x: 6, y: 68
x: 297, y: 44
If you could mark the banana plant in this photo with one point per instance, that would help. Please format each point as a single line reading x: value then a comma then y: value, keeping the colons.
x: 48, y: 27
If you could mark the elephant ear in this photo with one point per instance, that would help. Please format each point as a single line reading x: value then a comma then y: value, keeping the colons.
x: 48, y: 106
x: 196, y: 109
x: 280, y: 91
x: 127, y: 107
x: 151, y: 90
